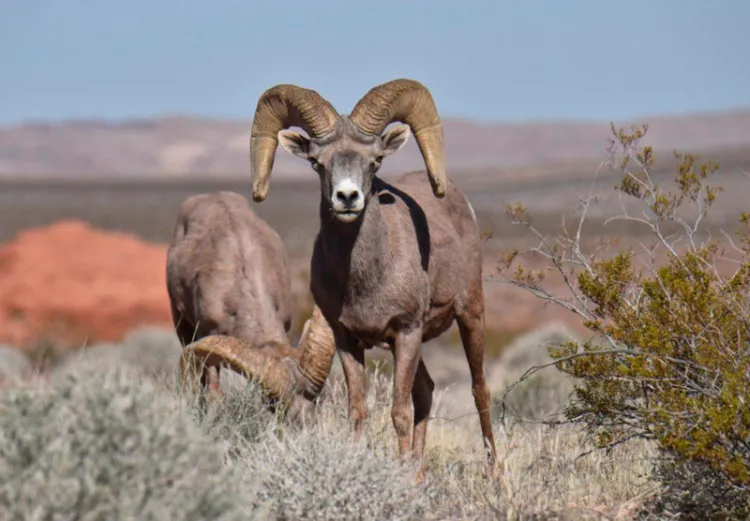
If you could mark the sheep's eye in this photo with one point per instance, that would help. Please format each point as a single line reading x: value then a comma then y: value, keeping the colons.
x: 377, y: 161
x: 314, y: 162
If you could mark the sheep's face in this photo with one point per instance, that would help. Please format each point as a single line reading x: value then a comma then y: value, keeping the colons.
x: 346, y: 162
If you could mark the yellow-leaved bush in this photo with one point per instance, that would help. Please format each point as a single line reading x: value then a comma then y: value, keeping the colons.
x: 669, y: 355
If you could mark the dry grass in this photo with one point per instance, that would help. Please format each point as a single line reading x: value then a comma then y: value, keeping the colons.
x: 283, y: 468
x: 543, y: 476
x: 546, y: 470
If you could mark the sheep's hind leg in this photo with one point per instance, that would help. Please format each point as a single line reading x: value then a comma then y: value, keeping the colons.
x: 471, y: 328
x: 185, y: 331
x: 421, y: 396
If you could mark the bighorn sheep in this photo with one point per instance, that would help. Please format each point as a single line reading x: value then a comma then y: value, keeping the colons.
x: 393, y: 264
x: 229, y: 291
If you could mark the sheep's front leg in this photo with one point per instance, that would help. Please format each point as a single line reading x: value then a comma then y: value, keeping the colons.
x: 406, y: 355
x: 210, y: 383
x: 352, y: 356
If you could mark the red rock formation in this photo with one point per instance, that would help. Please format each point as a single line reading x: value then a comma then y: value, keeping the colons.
x: 71, y: 283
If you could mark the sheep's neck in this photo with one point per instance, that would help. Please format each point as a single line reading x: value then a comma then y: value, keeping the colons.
x: 357, y: 254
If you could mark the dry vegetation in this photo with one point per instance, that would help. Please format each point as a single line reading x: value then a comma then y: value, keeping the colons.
x: 107, y: 435
x: 667, y: 358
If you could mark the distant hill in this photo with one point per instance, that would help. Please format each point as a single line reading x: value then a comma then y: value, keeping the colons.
x: 188, y: 146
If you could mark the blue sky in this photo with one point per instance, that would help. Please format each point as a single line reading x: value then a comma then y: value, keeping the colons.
x: 483, y: 60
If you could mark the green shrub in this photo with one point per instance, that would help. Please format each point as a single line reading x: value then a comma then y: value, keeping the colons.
x: 107, y: 445
x: 528, y: 395
x: 153, y: 351
x: 675, y: 365
x: 156, y: 350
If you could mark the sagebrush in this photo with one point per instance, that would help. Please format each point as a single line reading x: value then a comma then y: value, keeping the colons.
x: 669, y: 357
x: 109, y: 445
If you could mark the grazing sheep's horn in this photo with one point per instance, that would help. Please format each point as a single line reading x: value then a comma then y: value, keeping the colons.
x: 274, y: 376
x: 410, y: 102
x: 283, y: 372
x: 281, y: 107
x: 317, y: 349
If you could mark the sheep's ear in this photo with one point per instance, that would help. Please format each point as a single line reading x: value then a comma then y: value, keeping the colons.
x: 395, y: 138
x: 294, y: 143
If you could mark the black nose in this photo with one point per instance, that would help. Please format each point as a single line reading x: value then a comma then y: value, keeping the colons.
x: 348, y: 197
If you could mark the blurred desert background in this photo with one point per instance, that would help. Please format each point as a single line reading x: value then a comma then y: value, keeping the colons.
x: 88, y: 207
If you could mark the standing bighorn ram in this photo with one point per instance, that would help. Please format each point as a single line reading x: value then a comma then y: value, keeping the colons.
x: 229, y: 291
x: 393, y: 264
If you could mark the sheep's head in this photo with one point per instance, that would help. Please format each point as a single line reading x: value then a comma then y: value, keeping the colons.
x: 346, y: 163
x: 347, y: 151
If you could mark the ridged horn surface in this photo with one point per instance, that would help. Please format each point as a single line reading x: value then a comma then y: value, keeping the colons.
x: 281, y: 372
x: 317, y: 349
x: 281, y: 107
x: 410, y: 102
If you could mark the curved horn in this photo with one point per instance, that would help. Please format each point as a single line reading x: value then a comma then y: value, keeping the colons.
x: 281, y: 107
x: 317, y: 349
x: 282, y: 372
x: 410, y: 102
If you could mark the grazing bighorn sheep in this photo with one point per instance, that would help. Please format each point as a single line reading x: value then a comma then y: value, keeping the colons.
x: 229, y: 291
x: 393, y: 264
